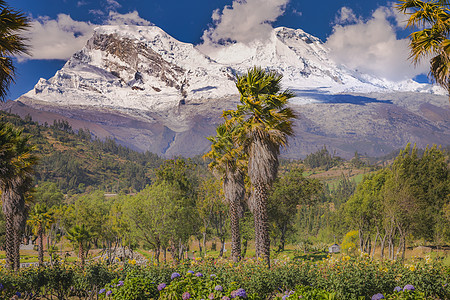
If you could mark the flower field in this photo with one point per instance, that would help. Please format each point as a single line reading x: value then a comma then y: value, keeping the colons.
x: 337, y: 277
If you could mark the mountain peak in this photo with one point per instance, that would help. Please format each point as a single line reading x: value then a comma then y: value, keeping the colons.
x: 130, y: 67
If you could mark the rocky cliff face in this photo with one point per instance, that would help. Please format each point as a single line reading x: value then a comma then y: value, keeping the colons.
x: 152, y: 92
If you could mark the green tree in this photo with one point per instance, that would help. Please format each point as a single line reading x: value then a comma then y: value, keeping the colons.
x: 118, y: 229
x: 17, y: 163
x: 364, y: 210
x: 228, y: 161
x: 289, y: 191
x: 343, y: 190
x: 431, y: 20
x: 92, y: 210
x: 40, y: 219
x: 12, y: 23
x: 264, y: 123
x: 322, y: 158
x: 80, y: 237
x: 161, y: 216
x: 49, y: 194
x: 209, y: 204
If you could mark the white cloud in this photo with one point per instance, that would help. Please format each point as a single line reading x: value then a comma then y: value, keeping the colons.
x: 131, y: 18
x: 372, y: 46
x: 61, y: 37
x: 345, y: 15
x: 96, y: 12
x: 113, y: 4
x: 57, y: 39
x: 243, y: 21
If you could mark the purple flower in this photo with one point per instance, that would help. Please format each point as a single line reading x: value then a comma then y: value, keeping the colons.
x: 225, y: 298
x: 218, y: 288
x: 285, y: 297
x: 377, y: 296
x: 191, y: 272
x: 120, y: 283
x: 409, y: 287
x: 198, y: 274
x: 233, y: 294
x: 212, y: 276
x: 1, y: 286
x: 211, y: 296
x: 102, y: 291
x: 397, y: 289
x: 186, y: 296
x: 241, y: 293
x: 175, y: 275
x: 108, y: 293
x: 161, y: 286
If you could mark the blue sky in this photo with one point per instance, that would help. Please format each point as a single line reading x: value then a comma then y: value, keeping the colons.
x: 350, y: 27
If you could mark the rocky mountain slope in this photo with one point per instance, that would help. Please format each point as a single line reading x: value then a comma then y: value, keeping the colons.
x: 152, y: 92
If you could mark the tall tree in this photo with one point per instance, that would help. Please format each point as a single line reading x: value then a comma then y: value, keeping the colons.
x: 40, y: 219
x: 288, y: 192
x: 228, y: 162
x: 12, y: 23
x: 80, y: 236
x: 13, y: 181
x: 211, y: 209
x: 431, y: 19
x: 264, y: 123
x: 17, y: 163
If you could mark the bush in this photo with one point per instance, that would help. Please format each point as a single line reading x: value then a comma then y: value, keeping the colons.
x: 343, y: 276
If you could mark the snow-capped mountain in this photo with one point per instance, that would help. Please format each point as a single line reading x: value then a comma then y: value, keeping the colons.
x: 144, y: 68
x: 153, y: 92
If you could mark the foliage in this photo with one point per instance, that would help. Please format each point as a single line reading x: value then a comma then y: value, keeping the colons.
x: 350, y: 241
x: 322, y: 159
x: 346, y: 277
x: 12, y: 24
x: 199, y: 285
x: 263, y: 122
x: 288, y: 192
x: 49, y: 194
x: 407, y: 199
x: 430, y: 19
x: 307, y: 293
x: 74, y: 161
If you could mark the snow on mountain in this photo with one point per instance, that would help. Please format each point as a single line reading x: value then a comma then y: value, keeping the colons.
x: 134, y: 67
x: 129, y: 68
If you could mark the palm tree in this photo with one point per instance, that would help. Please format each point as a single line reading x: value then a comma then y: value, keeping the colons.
x: 12, y: 22
x: 79, y: 236
x: 16, y: 177
x: 263, y: 123
x: 228, y: 162
x: 432, y: 19
x: 40, y: 218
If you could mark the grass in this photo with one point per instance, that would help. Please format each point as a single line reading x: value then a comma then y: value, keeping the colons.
x: 291, y: 252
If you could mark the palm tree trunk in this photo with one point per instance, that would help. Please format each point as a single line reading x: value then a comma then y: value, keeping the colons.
x: 19, y: 225
x: 257, y: 236
x: 82, y: 255
x: 235, y: 231
x: 41, y: 246
x: 17, y: 242
x: 261, y: 221
x: 9, y: 242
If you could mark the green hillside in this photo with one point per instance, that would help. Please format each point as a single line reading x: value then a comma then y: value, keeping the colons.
x: 77, y: 161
